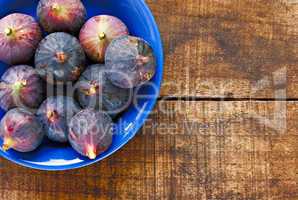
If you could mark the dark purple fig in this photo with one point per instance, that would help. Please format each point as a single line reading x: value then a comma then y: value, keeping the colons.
x: 98, y: 32
x: 55, y: 114
x: 61, y: 15
x: 131, y: 62
x: 21, y: 86
x: 19, y: 37
x: 20, y: 130
x: 95, y: 90
x: 90, y: 132
x: 60, y: 58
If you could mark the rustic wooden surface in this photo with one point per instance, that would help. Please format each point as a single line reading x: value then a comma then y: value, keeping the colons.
x: 227, y: 48
x: 244, y: 146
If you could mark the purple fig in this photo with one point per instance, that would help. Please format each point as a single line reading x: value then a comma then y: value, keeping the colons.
x: 21, y: 86
x: 61, y: 15
x: 19, y: 37
x: 90, y: 132
x: 98, y: 32
x: 60, y: 58
x: 95, y: 90
x: 20, y: 130
x: 131, y: 62
x: 55, y: 114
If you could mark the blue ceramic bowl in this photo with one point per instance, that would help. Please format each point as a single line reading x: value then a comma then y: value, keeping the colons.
x: 138, y: 18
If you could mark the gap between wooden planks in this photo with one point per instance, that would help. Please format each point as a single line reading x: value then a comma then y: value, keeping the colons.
x: 210, y: 148
x: 202, y: 150
x: 239, y: 49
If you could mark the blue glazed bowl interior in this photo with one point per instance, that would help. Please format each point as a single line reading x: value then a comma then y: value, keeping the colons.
x: 138, y: 18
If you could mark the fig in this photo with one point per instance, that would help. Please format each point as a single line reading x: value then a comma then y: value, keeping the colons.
x: 20, y: 130
x: 90, y: 132
x: 61, y: 15
x: 131, y: 62
x: 19, y: 37
x: 55, y: 114
x: 21, y: 86
x: 60, y: 58
x: 95, y: 90
x: 98, y: 32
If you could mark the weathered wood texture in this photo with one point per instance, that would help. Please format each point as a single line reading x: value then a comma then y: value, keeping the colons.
x: 205, y: 150
x: 229, y: 48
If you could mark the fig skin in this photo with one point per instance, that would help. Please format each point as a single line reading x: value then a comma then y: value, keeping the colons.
x: 21, y: 86
x: 131, y: 62
x: 90, y: 132
x: 60, y: 58
x: 20, y: 130
x: 55, y: 114
x: 98, y: 32
x: 95, y: 90
x: 19, y: 37
x: 61, y: 15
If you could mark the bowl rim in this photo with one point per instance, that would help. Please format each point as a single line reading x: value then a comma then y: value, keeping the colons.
x: 134, y: 131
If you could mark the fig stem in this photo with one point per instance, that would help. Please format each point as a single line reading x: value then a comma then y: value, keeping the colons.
x: 19, y: 85
x: 56, y: 7
x: 7, y: 144
x: 8, y: 31
x: 61, y: 57
x: 5, y: 147
x: 92, y: 90
x: 102, y: 36
x: 52, y: 115
x: 91, y: 153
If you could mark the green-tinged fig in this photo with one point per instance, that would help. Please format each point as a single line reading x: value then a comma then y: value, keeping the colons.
x: 19, y: 37
x: 21, y: 86
x: 98, y: 32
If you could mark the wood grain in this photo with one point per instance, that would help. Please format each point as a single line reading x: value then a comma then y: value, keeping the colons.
x: 229, y: 48
x: 204, y: 150
x: 194, y: 149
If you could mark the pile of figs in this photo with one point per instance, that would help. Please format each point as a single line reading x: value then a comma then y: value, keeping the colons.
x: 97, y: 57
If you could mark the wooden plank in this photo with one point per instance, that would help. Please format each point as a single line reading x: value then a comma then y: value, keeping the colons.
x: 203, y: 150
x: 230, y: 48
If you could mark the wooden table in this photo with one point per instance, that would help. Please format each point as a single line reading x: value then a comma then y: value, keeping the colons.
x: 231, y: 76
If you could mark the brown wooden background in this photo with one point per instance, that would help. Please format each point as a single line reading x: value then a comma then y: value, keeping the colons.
x: 235, y: 64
